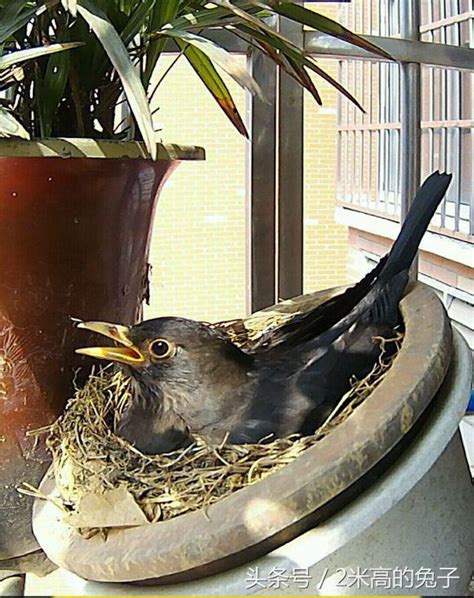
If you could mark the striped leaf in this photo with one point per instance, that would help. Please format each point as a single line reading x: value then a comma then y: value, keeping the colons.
x: 10, y: 127
x: 163, y: 13
x: 214, y: 83
x: 229, y: 63
x: 120, y: 59
x: 9, y: 60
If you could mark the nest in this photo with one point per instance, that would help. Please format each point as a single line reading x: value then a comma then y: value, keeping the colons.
x: 89, y: 458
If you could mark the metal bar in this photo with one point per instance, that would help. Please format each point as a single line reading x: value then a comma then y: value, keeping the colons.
x: 410, y: 133
x: 261, y: 177
x: 447, y: 124
x: 370, y: 127
x: 403, y: 50
x: 442, y: 167
x: 471, y: 217
x: 290, y: 176
x: 447, y: 21
x: 457, y: 203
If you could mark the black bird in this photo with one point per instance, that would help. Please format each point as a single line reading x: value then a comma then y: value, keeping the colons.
x: 189, y: 377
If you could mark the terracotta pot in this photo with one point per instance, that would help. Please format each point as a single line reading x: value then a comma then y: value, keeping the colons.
x: 74, y: 239
x: 326, y: 477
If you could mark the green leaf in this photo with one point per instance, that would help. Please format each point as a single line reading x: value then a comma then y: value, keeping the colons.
x: 306, y: 81
x: 118, y: 56
x: 163, y: 12
x: 135, y: 22
x: 211, y: 17
x: 319, y: 71
x: 214, y: 83
x: 229, y: 63
x: 52, y: 90
x: 70, y: 6
x: 85, y: 60
x: 312, y: 19
x: 254, y: 23
x: 14, y: 16
x: 293, y: 69
x: 132, y: 26
x: 296, y: 55
x: 21, y: 55
x: 10, y: 127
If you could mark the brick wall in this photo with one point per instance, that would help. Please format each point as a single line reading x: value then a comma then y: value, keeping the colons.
x: 325, y: 242
x: 198, y: 244
x: 198, y: 250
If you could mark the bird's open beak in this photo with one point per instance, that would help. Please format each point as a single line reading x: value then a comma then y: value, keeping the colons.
x: 128, y: 353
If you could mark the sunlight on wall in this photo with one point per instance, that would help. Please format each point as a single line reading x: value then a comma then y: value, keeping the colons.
x: 198, y: 245
x: 198, y: 250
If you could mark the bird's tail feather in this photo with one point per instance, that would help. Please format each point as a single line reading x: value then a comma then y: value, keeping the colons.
x: 336, y: 312
x: 424, y: 206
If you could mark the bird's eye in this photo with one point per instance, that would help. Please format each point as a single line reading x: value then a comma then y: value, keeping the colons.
x: 162, y: 349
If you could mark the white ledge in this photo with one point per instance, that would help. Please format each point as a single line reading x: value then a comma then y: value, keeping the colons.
x: 454, y: 250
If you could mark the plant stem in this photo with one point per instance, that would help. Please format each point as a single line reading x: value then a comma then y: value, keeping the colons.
x: 76, y: 98
x: 167, y: 70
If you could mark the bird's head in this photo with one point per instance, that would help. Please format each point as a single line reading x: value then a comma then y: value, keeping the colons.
x: 174, y: 357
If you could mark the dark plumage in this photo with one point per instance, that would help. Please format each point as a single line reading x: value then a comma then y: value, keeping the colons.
x: 190, y: 378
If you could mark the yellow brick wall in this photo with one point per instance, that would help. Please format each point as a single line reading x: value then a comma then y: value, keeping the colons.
x: 198, y: 250
x: 198, y: 244
x: 325, y: 242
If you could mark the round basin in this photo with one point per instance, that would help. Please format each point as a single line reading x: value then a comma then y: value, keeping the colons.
x: 270, y: 513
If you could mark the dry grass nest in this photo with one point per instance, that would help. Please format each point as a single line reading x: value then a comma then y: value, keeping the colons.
x: 89, y: 458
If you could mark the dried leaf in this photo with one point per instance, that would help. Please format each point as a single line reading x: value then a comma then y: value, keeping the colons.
x: 113, y: 508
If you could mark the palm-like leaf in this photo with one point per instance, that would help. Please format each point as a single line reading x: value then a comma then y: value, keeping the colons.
x: 317, y: 21
x: 297, y: 57
x: 247, y: 16
x: 76, y: 93
x: 10, y: 127
x: 13, y: 16
x: 31, y: 53
x: 52, y: 90
x: 119, y: 57
x: 229, y: 63
x: 70, y: 6
x: 162, y: 13
x: 212, y: 17
x: 208, y: 74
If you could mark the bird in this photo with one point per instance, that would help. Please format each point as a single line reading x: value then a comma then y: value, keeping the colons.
x: 189, y: 378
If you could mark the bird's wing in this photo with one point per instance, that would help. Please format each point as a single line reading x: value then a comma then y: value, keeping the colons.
x: 302, y: 383
x: 322, y: 348
x: 307, y: 325
x: 235, y: 330
x: 379, y: 307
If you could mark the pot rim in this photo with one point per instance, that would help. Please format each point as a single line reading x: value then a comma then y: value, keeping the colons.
x: 72, y: 147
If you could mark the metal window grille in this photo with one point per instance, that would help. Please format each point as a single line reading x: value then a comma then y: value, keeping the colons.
x: 368, y: 159
x: 373, y: 140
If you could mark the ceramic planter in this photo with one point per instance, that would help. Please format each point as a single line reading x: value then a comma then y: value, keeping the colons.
x: 75, y: 225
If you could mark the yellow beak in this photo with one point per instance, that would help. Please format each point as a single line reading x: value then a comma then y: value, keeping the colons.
x: 128, y: 353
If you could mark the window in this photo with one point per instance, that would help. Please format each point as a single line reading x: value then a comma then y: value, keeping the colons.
x: 372, y: 142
